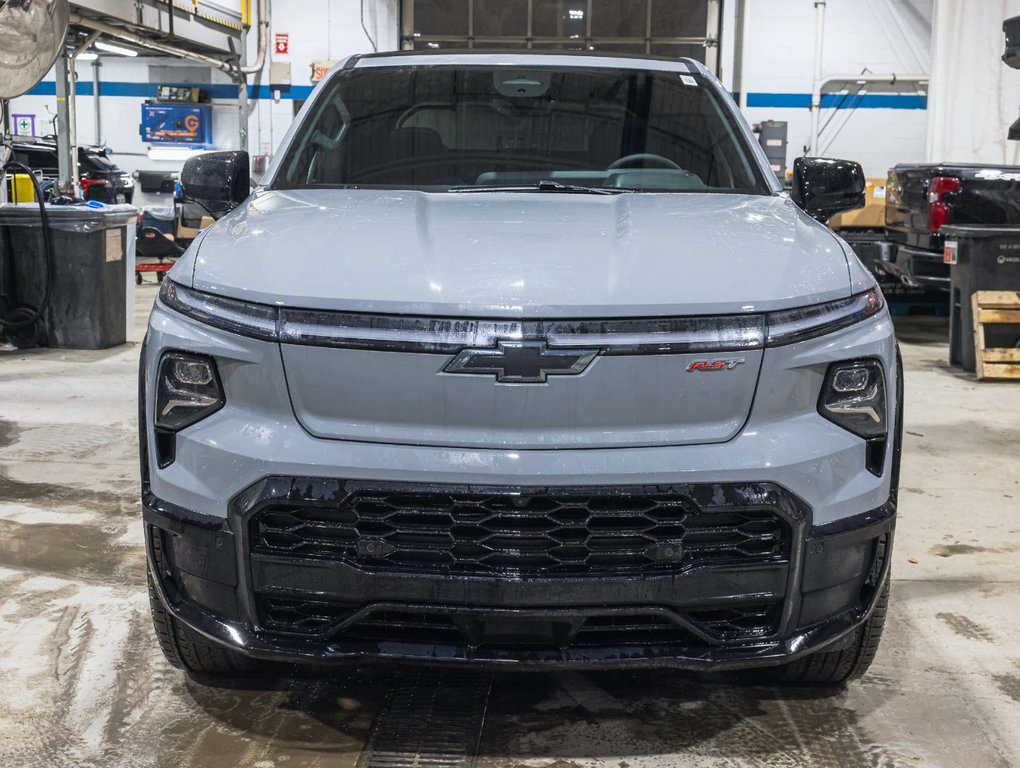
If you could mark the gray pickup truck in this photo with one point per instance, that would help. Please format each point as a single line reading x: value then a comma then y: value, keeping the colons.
x: 520, y: 359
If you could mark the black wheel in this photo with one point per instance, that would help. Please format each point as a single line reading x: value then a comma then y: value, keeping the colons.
x: 160, y: 276
x: 837, y: 667
x: 138, y: 278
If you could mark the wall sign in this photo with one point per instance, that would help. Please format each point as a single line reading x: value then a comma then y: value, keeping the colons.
x: 281, y: 43
x: 24, y: 125
x: 320, y: 67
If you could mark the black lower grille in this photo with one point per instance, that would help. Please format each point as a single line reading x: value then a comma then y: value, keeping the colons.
x: 429, y: 626
x: 522, y: 532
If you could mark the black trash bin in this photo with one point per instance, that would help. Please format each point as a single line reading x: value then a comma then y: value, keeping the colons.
x: 88, y: 305
x: 982, y: 259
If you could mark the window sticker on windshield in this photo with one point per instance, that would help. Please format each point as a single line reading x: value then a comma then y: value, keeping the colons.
x: 688, y: 80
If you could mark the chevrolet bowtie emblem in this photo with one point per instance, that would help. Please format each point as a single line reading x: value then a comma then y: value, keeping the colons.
x: 522, y: 362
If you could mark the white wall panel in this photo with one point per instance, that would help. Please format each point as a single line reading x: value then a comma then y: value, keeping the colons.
x: 325, y: 29
x: 974, y: 96
x: 860, y: 35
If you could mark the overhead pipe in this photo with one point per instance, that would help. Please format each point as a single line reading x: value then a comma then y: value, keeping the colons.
x: 260, y: 57
x: 144, y: 42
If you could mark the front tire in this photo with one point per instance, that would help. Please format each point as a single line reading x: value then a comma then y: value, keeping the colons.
x: 839, y: 667
x: 187, y: 650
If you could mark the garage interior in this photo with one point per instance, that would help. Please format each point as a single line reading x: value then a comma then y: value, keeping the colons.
x: 908, y: 88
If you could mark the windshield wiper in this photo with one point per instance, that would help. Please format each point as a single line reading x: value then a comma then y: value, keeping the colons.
x: 549, y: 186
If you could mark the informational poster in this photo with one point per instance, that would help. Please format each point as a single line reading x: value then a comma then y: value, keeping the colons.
x: 281, y: 43
x: 176, y: 124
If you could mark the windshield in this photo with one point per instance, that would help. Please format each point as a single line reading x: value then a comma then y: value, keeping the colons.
x: 564, y: 129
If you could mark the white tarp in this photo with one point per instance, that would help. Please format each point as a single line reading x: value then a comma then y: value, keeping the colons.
x: 973, y: 97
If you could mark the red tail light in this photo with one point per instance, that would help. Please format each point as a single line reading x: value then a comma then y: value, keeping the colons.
x: 939, y: 211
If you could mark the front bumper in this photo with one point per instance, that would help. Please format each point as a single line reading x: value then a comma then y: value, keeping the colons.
x: 839, y: 514
x: 820, y: 586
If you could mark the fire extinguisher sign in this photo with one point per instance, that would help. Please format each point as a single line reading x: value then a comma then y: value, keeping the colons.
x: 281, y: 43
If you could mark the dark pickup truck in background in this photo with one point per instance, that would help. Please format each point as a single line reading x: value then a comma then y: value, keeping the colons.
x: 98, y: 175
x: 921, y: 199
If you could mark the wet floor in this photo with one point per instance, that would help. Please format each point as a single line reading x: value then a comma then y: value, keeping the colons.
x: 82, y: 682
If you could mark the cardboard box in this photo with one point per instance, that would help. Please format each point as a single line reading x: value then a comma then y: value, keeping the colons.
x: 190, y: 233
x: 871, y: 216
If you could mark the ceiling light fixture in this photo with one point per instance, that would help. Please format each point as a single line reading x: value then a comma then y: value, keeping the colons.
x: 115, y: 49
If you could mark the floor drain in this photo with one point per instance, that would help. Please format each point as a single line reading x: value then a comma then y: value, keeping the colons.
x: 430, y: 718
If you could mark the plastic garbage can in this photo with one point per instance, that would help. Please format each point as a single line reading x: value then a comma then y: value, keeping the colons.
x: 88, y: 307
x: 981, y: 259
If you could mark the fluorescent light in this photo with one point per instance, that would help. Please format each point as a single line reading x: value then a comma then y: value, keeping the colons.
x: 173, y: 154
x: 88, y: 56
x: 115, y: 49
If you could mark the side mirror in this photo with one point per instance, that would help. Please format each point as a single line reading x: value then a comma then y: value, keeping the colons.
x: 217, y: 181
x: 825, y: 187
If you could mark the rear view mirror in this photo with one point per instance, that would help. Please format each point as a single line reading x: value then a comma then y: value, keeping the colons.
x: 217, y: 181
x: 824, y: 187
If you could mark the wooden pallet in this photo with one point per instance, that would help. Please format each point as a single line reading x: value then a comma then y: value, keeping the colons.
x: 992, y: 307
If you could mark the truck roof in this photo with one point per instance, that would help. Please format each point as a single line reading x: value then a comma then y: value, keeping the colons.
x: 939, y: 167
x: 524, y: 57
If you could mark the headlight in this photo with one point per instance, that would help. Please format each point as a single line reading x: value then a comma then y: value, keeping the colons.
x: 853, y: 397
x: 187, y: 391
x: 802, y: 323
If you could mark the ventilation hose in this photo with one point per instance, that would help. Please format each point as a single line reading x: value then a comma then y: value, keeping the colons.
x: 24, y: 316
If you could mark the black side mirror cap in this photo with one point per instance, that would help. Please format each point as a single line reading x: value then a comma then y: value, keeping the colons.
x: 217, y: 181
x: 1012, y: 29
x: 824, y: 187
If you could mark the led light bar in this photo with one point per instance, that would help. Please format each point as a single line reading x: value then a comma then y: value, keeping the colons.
x: 718, y: 333
x: 619, y: 337
x: 242, y: 317
x: 793, y: 325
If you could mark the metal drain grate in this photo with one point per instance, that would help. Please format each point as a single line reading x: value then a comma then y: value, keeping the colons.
x: 431, y: 718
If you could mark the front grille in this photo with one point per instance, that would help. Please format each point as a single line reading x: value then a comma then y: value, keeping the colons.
x: 437, y: 627
x: 548, y: 533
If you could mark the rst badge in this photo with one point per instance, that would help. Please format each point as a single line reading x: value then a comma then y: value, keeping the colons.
x: 725, y: 364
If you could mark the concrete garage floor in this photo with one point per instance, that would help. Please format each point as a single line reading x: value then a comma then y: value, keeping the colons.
x: 82, y: 682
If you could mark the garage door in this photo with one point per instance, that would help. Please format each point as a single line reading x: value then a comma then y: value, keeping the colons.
x: 671, y: 28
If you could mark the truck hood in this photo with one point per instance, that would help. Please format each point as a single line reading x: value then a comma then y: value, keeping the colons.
x: 521, y: 254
